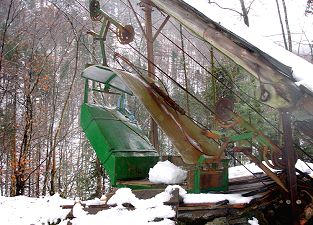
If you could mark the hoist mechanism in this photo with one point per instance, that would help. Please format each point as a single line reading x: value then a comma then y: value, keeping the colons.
x: 124, y: 150
x: 227, y: 118
x: 124, y: 33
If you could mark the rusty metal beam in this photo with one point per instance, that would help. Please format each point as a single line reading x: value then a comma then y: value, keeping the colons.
x: 137, y: 19
x: 289, y: 156
x: 151, y: 67
x: 272, y: 175
x: 160, y: 28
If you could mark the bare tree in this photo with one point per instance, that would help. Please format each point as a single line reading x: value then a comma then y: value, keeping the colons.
x: 244, y: 10
x: 287, y: 26
x: 281, y: 25
x: 309, y: 8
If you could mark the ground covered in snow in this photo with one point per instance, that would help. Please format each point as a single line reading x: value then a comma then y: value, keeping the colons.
x: 23, y: 210
x: 46, y: 210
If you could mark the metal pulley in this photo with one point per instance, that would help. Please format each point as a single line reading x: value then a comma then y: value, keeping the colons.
x: 94, y: 9
x: 224, y: 110
x: 125, y: 34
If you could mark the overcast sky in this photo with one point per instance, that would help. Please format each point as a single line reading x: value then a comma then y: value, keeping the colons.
x: 264, y: 18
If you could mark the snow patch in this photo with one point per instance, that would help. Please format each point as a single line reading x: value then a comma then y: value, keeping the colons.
x: 304, y: 166
x: 23, y: 210
x: 145, y: 210
x: 167, y: 173
x: 208, y: 197
x: 254, y: 221
x: 243, y: 171
x: 78, y: 210
x: 213, y: 198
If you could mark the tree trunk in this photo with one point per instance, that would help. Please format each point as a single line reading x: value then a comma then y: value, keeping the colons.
x: 99, y: 178
x: 49, y: 139
x: 13, y: 148
x: 287, y: 26
x: 25, y: 146
x: 58, y: 130
x: 37, y: 173
x: 6, y: 26
x: 244, y: 12
x: 281, y: 25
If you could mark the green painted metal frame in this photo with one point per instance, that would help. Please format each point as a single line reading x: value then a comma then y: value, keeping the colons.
x: 124, y: 151
x: 136, y: 156
x: 107, y: 82
x: 250, y: 134
x: 223, y: 178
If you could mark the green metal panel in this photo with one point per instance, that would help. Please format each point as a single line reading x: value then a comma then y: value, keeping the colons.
x: 123, y: 149
x: 211, y: 176
x: 106, y: 76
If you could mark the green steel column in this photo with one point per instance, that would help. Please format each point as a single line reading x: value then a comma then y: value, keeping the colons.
x: 102, y: 35
x: 86, y: 91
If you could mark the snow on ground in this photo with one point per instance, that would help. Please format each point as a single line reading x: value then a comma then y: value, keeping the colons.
x: 167, y: 173
x: 302, y: 70
x: 254, y: 221
x: 24, y: 210
x: 243, y: 171
x: 145, y: 212
x: 41, y: 211
x: 212, y: 198
x: 208, y: 197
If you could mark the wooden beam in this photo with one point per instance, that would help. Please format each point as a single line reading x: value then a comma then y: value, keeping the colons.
x: 137, y: 19
x: 151, y: 67
x: 160, y: 28
x: 290, y: 159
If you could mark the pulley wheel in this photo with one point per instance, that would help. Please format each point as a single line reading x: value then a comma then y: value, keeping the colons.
x: 125, y: 34
x: 223, y: 109
x: 94, y: 8
x: 278, y: 161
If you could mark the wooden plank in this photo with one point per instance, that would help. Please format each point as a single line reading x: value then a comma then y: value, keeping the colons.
x: 144, y: 183
x: 247, y: 188
x: 147, y: 193
x: 202, y: 206
x: 252, y: 177
x: 201, y: 216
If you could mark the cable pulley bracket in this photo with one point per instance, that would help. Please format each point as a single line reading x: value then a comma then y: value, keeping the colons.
x: 124, y: 33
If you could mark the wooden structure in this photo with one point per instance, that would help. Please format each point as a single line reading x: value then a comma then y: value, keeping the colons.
x: 268, y: 204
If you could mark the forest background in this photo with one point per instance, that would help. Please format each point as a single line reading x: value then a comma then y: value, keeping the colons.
x: 44, y: 47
